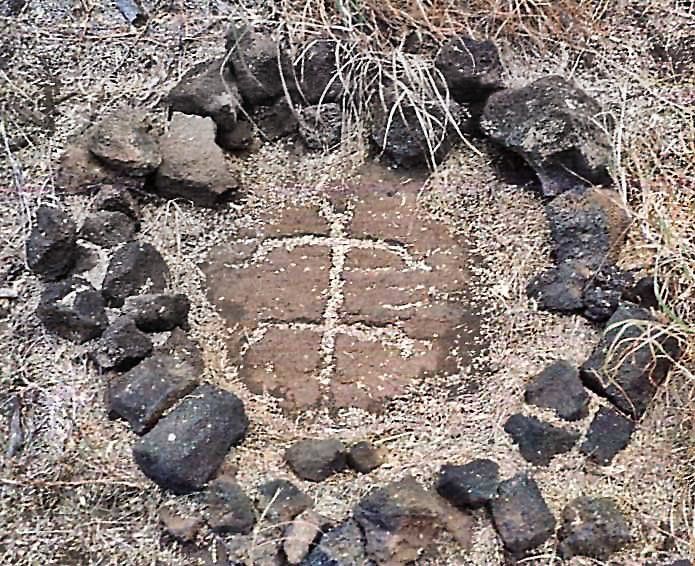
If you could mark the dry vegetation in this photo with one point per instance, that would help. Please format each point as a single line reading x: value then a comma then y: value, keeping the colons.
x: 72, y: 494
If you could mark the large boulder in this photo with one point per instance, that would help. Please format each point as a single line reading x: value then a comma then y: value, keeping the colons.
x: 632, y: 359
x: 555, y: 126
x: 316, y: 459
x: 51, y: 248
x: 186, y: 448
x: 193, y: 166
x: 316, y: 71
x: 539, y: 442
x: 559, y: 388
x: 121, y: 346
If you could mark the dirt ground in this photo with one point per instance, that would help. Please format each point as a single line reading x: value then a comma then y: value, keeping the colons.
x: 74, y: 496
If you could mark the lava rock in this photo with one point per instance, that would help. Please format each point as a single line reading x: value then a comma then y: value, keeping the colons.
x: 592, y: 527
x: 182, y: 348
x: 121, y: 141
x: 73, y: 310
x: 210, y: 91
x: 281, y: 501
x: 553, y: 125
x: 469, y: 486
x: 238, y: 138
x: 183, y: 529
x: 559, y: 388
x: 364, y: 457
x: 471, y: 68
x: 561, y: 288
x: 320, y: 126
x: 399, y: 521
x: 343, y: 545
x: 521, y: 515
x: 539, y: 442
x: 302, y: 534
x: 316, y: 460
x: 158, y: 312
x: 631, y: 360
x: 608, y: 434
x: 193, y: 166
x: 603, y: 292
x: 134, y: 268
x: 117, y: 199
x: 276, y: 121
x: 186, y: 447
x: 230, y: 510
x: 143, y: 394
x: 108, y: 229
x: 316, y: 72
x: 121, y: 345
x: 52, y: 244
x: 643, y: 293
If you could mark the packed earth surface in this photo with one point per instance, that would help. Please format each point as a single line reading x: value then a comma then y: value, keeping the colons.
x: 283, y: 283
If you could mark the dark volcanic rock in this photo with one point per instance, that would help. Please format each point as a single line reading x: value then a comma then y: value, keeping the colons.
x: 134, y: 268
x: 364, y: 457
x: 142, y: 395
x: 592, y: 527
x: 399, y: 521
x: 276, y: 121
x: 469, y: 486
x: 603, y: 292
x: 281, y: 501
x: 180, y: 346
x: 186, y: 447
x: 51, y: 247
x: 471, y: 68
x: 608, y: 434
x: 317, y: 72
x: 108, y: 229
x: 631, y: 360
x: 643, y: 293
x: 121, y: 345
x: 554, y: 126
x: 230, y: 510
x: 343, y: 545
x: 316, y: 460
x: 158, y: 312
x: 117, y: 199
x: 520, y: 514
x: 560, y: 288
x: 238, y: 138
x: 193, y: 166
x: 209, y: 91
x: 121, y: 141
x: 558, y: 387
x: 320, y: 126
x: 539, y: 442
x: 73, y: 310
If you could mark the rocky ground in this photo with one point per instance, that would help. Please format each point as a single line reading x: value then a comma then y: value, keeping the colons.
x: 231, y: 336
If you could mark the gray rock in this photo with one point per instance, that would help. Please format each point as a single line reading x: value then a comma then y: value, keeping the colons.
x: 240, y: 137
x: 320, y: 126
x: 316, y: 459
x: 143, y: 394
x: 343, y: 545
x: 193, y: 166
x: 469, y: 486
x: 608, y: 434
x: 559, y: 388
x: 158, y: 312
x: 592, y: 527
x: 316, y: 72
x: 276, y: 121
x: 182, y: 348
x: 364, y: 457
x: 186, y: 447
x: 471, y: 68
x: 281, y: 501
x: 52, y: 244
x: 108, y: 229
x: 121, y: 346
x: 561, y: 288
x: 539, y: 442
x: 117, y: 199
x: 554, y: 125
x: 73, y: 310
x: 135, y: 267
x: 301, y: 534
x: 521, y: 515
x: 230, y: 510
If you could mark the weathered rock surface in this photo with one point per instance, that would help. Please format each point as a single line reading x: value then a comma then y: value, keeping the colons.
x: 559, y: 388
x: 143, y: 394
x: 73, y: 310
x: 469, y: 486
x: 186, y: 447
x: 608, y: 434
x: 301, y: 535
x: 631, y: 360
x: 364, y: 457
x: 521, y: 515
x: 121, y: 345
x: 316, y: 72
x: 51, y: 247
x: 122, y: 142
x: 471, y: 68
x: 554, y: 125
x: 158, y: 312
x: 560, y: 288
x: 539, y: 442
x: 117, y: 199
x: 182, y: 348
x: 230, y: 510
x: 135, y: 267
x: 399, y: 521
x: 592, y: 527
x: 281, y: 501
x: 603, y: 292
x: 316, y: 459
x: 320, y: 126
x: 108, y: 229
x: 183, y: 529
x: 343, y: 545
